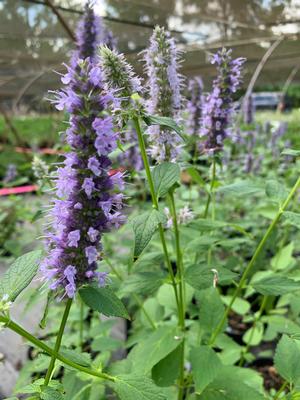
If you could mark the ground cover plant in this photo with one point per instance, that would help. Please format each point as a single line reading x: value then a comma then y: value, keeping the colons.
x: 173, y: 217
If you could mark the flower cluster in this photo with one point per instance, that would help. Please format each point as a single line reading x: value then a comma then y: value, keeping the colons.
x: 185, y: 215
x: 119, y: 76
x: 10, y: 174
x: 218, y: 107
x: 88, y: 203
x: 90, y: 33
x: 164, y: 86
x: 40, y: 169
x: 194, y: 105
x: 248, y: 110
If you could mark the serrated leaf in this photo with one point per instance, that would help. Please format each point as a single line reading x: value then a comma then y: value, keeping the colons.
x: 275, y: 190
x: 83, y: 359
x: 20, y: 274
x: 284, y: 257
x: 144, y: 283
x: 226, y: 386
x: 240, y: 306
x: 241, y: 188
x: 164, y: 176
x: 167, y: 370
x: 51, y: 394
x: 195, y: 175
x: 136, y: 387
x: 156, y: 346
x: 276, y: 285
x: 144, y: 226
x: 202, y: 277
x: 291, y: 218
x: 211, y: 309
x: 163, y: 121
x: 291, y: 152
x: 287, y: 359
x: 205, y: 366
x: 254, y: 335
x: 104, y: 301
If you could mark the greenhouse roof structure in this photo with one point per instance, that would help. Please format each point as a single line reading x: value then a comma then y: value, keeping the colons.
x: 36, y: 37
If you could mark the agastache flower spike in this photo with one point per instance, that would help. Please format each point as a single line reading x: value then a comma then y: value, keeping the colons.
x: 217, y: 111
x: 87, y: 202
x: 164, y: 86
x: 91, y: 32
x: 194, y: 105
x: 119, y: 76
x: 248, y: 110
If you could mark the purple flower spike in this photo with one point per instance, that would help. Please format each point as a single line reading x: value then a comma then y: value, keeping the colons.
x: 91, y: 32
x: 119, y: 77
x: 218, y: 110
x: 164, y: 86
x: 194, y: 105
x: 88, y: 202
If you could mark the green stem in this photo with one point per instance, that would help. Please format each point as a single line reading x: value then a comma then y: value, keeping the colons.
x: 140, y: 303
x: 81, y: 324
x: 181, y: 291
x: 155, y: 206
x: 212, y: 197
x: 58, y: 342
x: 283, y: 386
x: 179, y: 261
x: 38, y: 343
x: 181, y: 376
x: 256, y: 319
x: 253, y: 260
x: 212, y: 182
x: 136, y: 297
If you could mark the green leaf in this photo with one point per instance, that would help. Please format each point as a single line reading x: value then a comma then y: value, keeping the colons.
x: 241, y: 188
x: 284, y: 257
x: 51, y: 394
x: 291, y: 218
x: 226, y: 386
x: 163, y: 121
x: 291, y: 152
x: 145, y: 283
x: 240, y: 306
x: 104, y: 301
x: 156, y: 346
x: 254, y: 335
x: 164, y: 176
x: 287, y: 359
x: 20, y: 274
x: 205, y: 366
x: 275, y: 190
x: 144, y: 226
x: 83, y: 359
x: 211, y: 309
x: 276, y: 285
x: 136, y: 387
x: 167, y: 370
x: 104, y: 343
x: 202, y: 277
x: 195, y: 175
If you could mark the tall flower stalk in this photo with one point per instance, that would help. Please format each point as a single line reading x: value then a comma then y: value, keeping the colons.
x: 218, y: 109
x: 194, y: 110
x: 248, y: 110
x: 120, y: 78
x: 87, y: 202
x: 164, y: 86
x: 90, y: 33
